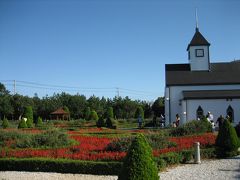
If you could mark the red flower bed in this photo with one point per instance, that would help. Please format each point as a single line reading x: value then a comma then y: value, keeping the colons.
x: 93, y: 148
x: 188, y: 143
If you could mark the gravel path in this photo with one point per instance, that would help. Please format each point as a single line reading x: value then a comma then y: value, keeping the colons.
x: 211, y: 169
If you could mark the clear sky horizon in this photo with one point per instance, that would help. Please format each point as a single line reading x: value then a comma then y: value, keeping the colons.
x: 96, y: 46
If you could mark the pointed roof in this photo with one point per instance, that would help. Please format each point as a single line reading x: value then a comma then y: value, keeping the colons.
x: 198, y: 40
x: 60, y: 111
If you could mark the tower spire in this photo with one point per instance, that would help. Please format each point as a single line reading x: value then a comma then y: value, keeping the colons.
x: 196, y: 16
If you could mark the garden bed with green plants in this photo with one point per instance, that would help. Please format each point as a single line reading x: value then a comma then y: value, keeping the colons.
x: 98, y: 150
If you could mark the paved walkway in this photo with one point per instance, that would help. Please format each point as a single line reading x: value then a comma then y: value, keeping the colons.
x: 208, y: 170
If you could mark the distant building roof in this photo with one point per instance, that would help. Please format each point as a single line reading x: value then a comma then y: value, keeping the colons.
x: 212, y: 94
x: 60, y: 111
x: 198, y: 40
x: 219, y: 74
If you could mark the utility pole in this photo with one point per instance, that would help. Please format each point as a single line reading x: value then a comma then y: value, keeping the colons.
x: 14, y: 87
x: 118, y: 93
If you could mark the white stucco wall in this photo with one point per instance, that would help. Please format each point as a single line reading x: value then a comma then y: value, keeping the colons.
x: 216, y: 106
x: 199, y: 63
x: 175, y: 97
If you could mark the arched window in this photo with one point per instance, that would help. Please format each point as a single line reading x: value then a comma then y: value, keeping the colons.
x: 230, y: 113
x: 199, y: 112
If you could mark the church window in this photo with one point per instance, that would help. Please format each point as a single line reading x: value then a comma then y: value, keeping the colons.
x: 199, y: 52
x: 200, y: 112
x: 230, y: 113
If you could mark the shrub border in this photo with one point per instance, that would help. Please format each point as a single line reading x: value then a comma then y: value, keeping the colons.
x: 60, y: 166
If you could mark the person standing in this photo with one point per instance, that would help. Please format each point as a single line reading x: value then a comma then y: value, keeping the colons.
x: 139, y: 121
x: 177, y: 120
x: 209, y: 116
x: 220, y: 121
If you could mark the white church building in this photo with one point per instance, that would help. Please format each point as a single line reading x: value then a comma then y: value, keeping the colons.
x: 200, y: 86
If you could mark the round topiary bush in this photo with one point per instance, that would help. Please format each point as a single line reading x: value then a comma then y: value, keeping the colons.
x: 227, y: 142
x: 94, y: 115
x: 5, y: 123
x: 139, y: 163
x: 22, y: 124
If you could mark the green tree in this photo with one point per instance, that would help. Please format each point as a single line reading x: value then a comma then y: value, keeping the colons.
x: 148, y: 113
x: 76, y: 104
x: 5, y: 123
x: 110, y: 113
x: 139, y: 112
x: 93, y: 115
x: 227, y: 142
x: 158, y: 106
x: 139, y: 163
x: 19, y: 103
x: 66, y: 109
x: 87, y: 113
x: 28, y: 113
x: 6, y: 108
x: 3, y: 90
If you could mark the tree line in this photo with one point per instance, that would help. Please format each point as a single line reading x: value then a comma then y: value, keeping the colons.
x: 13, y: 106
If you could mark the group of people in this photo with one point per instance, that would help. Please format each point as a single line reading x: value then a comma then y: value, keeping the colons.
x: 219, y: 121
x: 209, y: 117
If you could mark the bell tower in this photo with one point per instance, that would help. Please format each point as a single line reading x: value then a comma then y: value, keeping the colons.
x: 198, y: 52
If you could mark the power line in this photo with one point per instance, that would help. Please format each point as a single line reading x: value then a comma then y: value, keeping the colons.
x: 61, y: 86
x: 35, y: 85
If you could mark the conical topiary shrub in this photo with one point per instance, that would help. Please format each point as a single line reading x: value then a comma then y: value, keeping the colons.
x: 22, y: 124
x: 138, y: 163
x: 227, y: 142
x: 28, y: 113
x: 39, y: 122
x: 100, y: 123
x: 5, y: 123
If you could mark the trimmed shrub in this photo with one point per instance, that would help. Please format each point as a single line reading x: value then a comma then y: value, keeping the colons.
x: 87, y: 113
x: 139, y: 163
x: 237, y: 128
x: 187, y: 155
x: 39, y: 122
x: 28, y: 113
x: 171, y: 158
x: 227, y: 142
x: 110, y: 113
x: 119, y: 145
x: 22, y: 124
x: 161, y: 164
x: 93, y: 115
x: 5, y: 123
x: 192, y: 127
x: 159, y: 141
x: 49, y: 139
x: 100, y: 122
x: 109, y: 123
x: 208, y: 153
x: 60, y: 166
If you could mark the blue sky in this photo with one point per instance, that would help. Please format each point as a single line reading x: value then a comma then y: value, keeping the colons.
x: 98, y: 45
